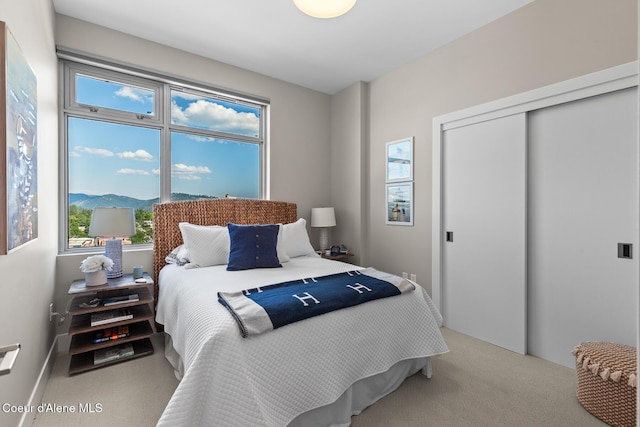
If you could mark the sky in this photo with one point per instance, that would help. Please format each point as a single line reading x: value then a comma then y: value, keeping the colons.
x: 109, y: 158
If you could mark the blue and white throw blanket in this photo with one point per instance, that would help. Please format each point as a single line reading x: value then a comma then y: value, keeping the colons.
x: 269, y: 307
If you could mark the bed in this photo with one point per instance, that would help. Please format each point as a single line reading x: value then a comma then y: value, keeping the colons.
x: 319, y: 371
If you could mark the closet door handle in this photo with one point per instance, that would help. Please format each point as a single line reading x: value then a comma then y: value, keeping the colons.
x: 449, y: 236
x: 625, y: 250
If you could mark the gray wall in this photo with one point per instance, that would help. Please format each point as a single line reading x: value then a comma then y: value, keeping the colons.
x: 542, y: 43
x: 349, y: 109
x: 27, y: 275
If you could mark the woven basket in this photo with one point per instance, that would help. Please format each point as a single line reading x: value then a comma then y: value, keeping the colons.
x: 607, y: 381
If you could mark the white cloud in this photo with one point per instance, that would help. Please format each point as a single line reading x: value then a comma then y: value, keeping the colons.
x: 209, y: 115
x: 137, y: 155
x: 189, y: 177
x: 100, y: 152
x: 134, y: 94
x: 186, y: 172
x: 127, y: 171
x: 182, y: 168
x: 200, y: 138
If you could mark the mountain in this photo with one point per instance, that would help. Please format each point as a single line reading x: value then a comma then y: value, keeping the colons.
x: 86, y: 201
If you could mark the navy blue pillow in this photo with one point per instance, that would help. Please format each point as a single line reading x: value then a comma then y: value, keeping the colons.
x: 253, y: 246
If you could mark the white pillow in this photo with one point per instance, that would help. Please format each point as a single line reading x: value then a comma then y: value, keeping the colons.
x: 178, y: 256
x: 283, y: 256
x: 207, y: 245
x: 296, y: 239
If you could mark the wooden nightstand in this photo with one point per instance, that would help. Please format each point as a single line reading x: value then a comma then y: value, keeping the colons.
x: 341, y: 257
x: 138, y: 328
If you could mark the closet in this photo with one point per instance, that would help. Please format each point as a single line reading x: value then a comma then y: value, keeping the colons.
x: 536, y: 219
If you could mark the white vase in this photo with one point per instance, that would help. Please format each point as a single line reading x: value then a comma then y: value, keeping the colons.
x: 95, y: 278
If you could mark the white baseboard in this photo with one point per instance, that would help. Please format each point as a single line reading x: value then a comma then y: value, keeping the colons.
x: 38, y: 389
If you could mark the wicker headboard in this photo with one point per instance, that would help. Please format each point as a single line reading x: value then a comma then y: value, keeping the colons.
x: 167, y: 216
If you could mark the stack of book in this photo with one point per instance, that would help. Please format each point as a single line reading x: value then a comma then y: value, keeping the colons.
x: 111, y: 334
x: 120, y: 300
x: 111, y: 316
x: 112, y: 353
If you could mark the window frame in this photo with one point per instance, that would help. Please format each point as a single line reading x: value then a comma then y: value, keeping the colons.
x: 70, y: 104
x: 74, y: 65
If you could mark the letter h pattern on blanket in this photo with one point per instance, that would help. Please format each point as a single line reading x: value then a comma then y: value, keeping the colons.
x: 306, y: 297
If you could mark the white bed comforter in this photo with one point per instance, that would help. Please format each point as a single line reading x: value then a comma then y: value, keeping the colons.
x: 268, y: 380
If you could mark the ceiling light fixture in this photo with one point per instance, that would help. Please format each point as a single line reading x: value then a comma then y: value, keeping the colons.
x: 325, y: 8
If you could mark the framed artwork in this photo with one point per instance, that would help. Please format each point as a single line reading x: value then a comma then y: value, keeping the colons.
x: 400, y: 160
x: 18, y: 132
x: 399, y: 203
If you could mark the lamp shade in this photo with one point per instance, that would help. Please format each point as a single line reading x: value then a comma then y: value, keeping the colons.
x: 112, y: 222
x: 323, y: 217
x: 324, y: 8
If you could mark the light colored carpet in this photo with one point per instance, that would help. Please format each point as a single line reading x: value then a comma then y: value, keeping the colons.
x: 478, y: 384
x: 132, y: 393
x: 475, y: 384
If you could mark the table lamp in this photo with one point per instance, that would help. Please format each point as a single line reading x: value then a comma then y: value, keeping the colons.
x: 323, y: 218
x: 113, y: 222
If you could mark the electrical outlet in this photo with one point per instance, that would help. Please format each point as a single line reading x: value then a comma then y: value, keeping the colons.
x: 413, y: 278
x: 405, y: 275
x: 52, y: 314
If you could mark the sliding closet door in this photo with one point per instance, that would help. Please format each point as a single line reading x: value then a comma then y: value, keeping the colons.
x: 484, y: 188
x: 583, y: 199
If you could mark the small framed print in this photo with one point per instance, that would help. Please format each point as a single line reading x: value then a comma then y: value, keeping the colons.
x: 399, y: 204
x: 400, y: 160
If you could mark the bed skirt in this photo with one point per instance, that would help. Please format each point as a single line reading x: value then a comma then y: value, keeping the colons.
x: 353, y: 401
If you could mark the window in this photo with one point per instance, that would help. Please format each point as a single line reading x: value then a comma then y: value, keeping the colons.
x: 213, y: 166
x: 117, y: 96
x: 201, y: 112
x: 132, y: 140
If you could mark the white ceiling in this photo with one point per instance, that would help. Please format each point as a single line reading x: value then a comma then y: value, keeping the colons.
x: 274, y: 38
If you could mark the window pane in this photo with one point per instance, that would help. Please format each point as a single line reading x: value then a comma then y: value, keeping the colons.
x: 213, y: 114
x: 212, y: 167
x: 111, y: 165
x: 114, y: 95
